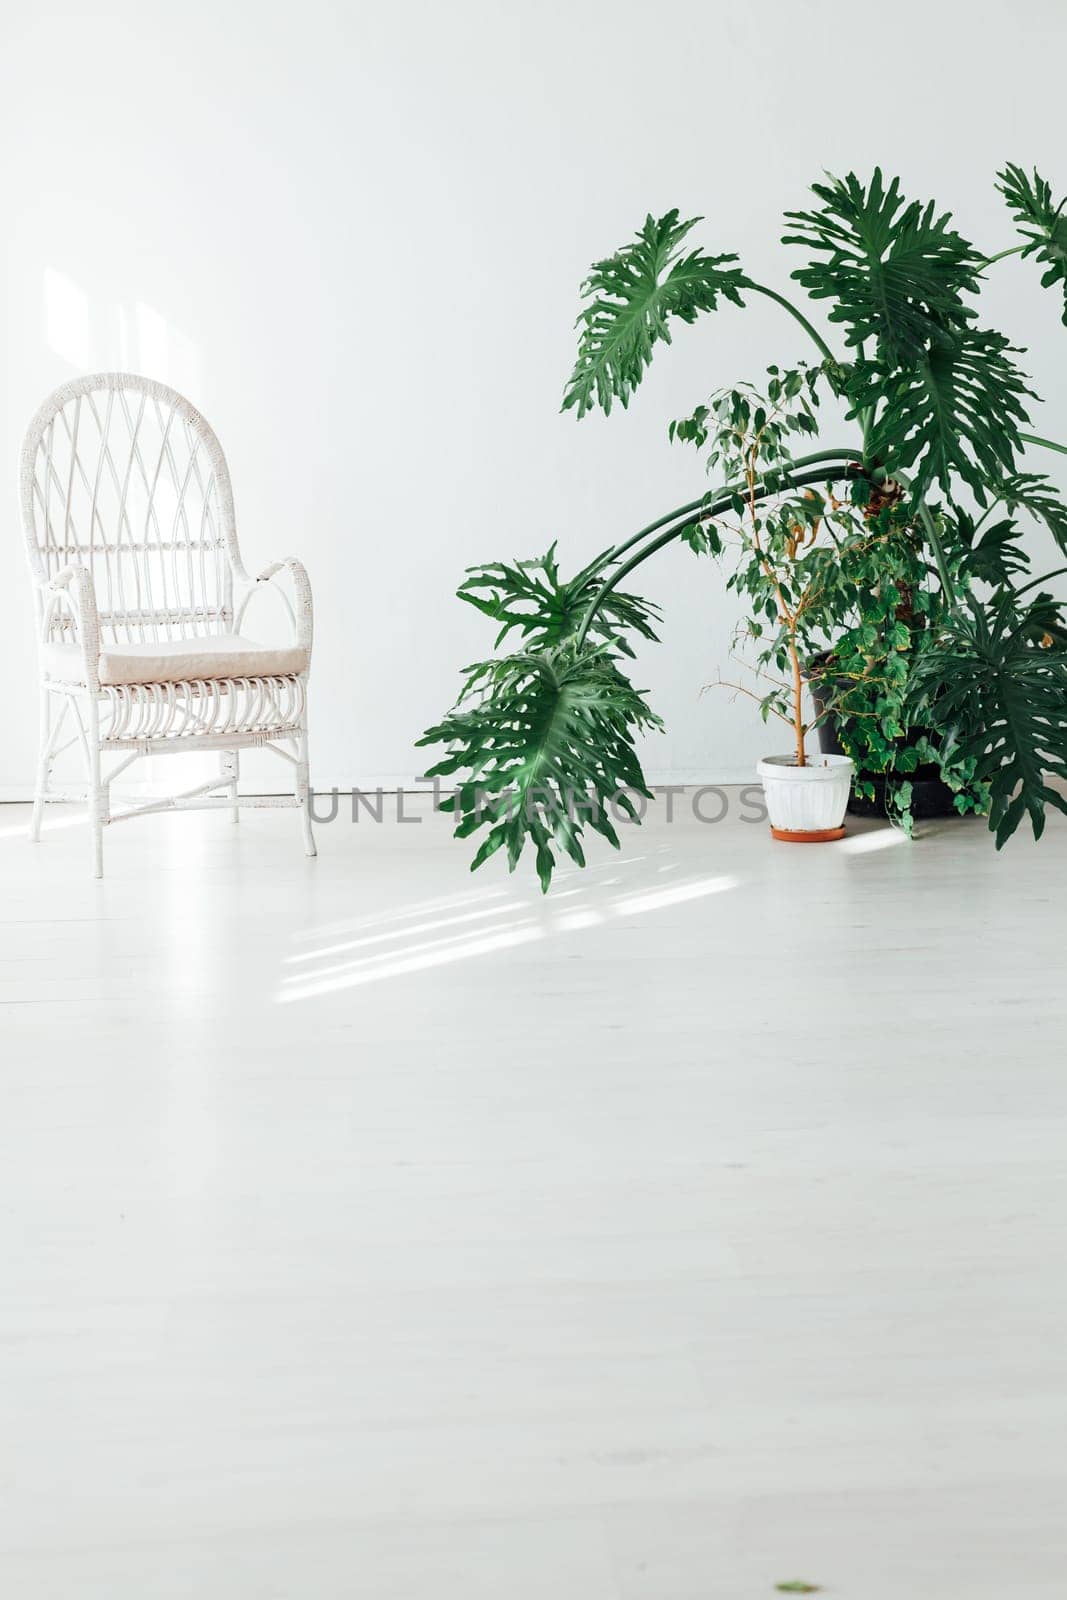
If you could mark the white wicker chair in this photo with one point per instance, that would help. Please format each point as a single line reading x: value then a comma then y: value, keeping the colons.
x: 141, y: 595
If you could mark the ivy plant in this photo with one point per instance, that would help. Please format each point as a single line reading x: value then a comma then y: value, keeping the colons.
x: 895, y: 555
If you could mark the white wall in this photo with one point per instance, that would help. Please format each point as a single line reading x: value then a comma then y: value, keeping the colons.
x: 353, y: 234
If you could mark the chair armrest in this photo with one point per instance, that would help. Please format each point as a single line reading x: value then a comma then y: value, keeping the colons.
x: 301, y: 612
x: 73, y: 588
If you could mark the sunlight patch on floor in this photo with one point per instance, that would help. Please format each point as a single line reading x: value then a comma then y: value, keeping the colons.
x: 858, y: 844
x: 657, y: 899
x: 372, y: 957
x: 21, y: 830
x: 418, y: 927
x: 417, y: 958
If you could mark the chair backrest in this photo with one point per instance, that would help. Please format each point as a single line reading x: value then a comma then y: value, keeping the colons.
x: 123, y: 476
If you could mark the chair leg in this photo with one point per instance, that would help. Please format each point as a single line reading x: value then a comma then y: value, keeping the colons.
x: 303, y: 792
x: 44, y: 765
x: 230, y: 767
x: 98, y: 794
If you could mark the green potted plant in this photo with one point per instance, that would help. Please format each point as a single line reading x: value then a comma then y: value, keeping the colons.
x: 841, y: 599
x: 940, y: 410
x: 788, y: 557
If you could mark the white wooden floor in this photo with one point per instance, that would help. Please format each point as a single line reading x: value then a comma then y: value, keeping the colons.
x: 373, y: 1230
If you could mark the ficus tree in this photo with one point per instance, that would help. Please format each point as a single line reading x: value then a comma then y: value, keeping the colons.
x: 919, y: 583
x: 814, y: 567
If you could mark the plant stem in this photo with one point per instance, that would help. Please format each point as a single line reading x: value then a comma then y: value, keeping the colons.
x: 653, y: 527
x: 927, y: 520
x: 701, y: 505
x: 930, y: 528
x: 866, y: 420
x: 1044, y: 578
x: 786, y: 617
x: 721, y: 502
x: 1048, y: 444
x: 866, y: 416
x: 986, y: 514
x: 798, y: 698
x: 799, y: 316
x: 1014, y: 250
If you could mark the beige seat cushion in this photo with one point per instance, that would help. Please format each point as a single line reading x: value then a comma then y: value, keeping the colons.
x: 224, y: 655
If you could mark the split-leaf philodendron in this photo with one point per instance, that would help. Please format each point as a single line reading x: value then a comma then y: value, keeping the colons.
x: 893, y: 559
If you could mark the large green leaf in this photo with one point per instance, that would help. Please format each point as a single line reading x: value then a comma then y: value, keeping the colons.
x: 531, y: 596
x: 1042, y: 224
x: 955, y: 408
x: 633, y: 296
x: 939, y: 397
x: 998, y: 695
x: 547, y: 749
x: 895, y: 269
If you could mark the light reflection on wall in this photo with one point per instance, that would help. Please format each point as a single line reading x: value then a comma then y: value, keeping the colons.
x: 66, y: 319
x: 109, y: 336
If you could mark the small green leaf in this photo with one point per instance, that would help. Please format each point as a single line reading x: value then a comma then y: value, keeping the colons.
x: 1042, y: 224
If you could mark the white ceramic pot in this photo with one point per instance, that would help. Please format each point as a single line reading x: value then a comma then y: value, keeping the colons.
x: 806, y: 804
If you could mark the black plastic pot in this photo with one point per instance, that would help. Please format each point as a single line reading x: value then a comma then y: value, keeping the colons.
x: 930, y: 795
